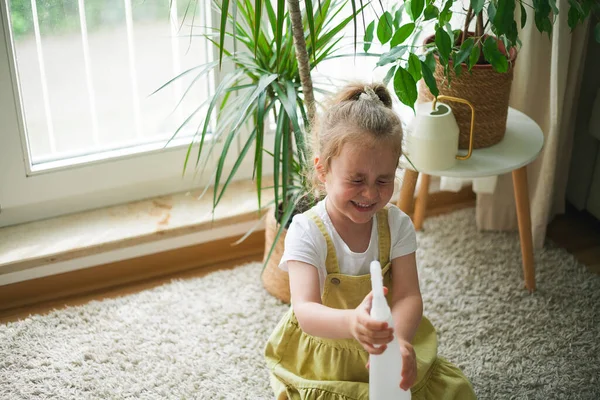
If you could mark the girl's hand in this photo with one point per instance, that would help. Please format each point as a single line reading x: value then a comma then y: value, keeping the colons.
x: 368, y: 331
x: 409, y: 365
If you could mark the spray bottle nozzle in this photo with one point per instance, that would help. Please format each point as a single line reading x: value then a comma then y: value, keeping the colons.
x: 376, y: 279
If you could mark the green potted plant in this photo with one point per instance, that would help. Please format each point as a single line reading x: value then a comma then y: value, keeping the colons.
x: 475, y: 65
x: 268, y: 78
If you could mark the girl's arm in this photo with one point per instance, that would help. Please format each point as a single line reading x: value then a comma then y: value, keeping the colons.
x: 331, y: 323
x: 407, y: 304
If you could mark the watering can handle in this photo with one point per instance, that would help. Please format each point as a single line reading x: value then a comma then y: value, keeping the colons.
x: 459, y: 100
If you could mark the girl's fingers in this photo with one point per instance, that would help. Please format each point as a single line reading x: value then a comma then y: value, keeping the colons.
x: 383, y: 340
x: 372, y: 349
x: 407, y: 381
x: 368, y: 323
x: 409, y: 368
x: 368, y: 300
x: 380, y: 337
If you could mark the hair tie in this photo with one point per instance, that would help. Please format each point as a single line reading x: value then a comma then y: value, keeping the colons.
x: 370, y: 95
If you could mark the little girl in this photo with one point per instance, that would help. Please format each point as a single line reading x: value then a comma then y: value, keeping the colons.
x: 320, y: 348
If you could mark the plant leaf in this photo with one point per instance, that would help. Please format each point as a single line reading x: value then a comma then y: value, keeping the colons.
x: 285, y: 164
x: 474, y: 56
x: 265, y: 80
x: 258, y: 150
x: 402, y: 34
x: 408, y: 9
x: 429, y: 79
x: 279, y: 28
x: 491, y: 11
x: 444, y: 45
x: 369, y: 36
x: 450, y: 33
x: 354, y: 22
x: 384, y: 28
x: 446, y: 14
x: 414, y: 66
x: 416, y: 8
x: 287, y: 214
x: 477, y: 5
x: 465, y: 51
x: 281, y: 121
x: 430, y: 61
x: 405, y: 87
x: 392, y: 55
x: 573, y: 17
x: 236, y: 166
x: 257, y: 17
x: 289, y: 104
x: 431, y: 12
x: 227, y: 81
x: 457, y: 67
x: 398, y: 16
x: 389, y: 75
x: 504, y: 20
x: 223, y: 29
x: 542, y: 18
x: 523, y: 16
x: 311, y: 23
x: 494, y: 55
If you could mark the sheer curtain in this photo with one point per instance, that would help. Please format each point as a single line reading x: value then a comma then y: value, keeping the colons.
x: 546, y: 86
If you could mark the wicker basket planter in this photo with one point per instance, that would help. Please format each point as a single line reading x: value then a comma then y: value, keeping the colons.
x: 274, y: 280
x: 486, y: 89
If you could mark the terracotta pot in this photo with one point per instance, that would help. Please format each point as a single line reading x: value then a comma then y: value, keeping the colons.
x: 486, y: 89
x: 274, y: 280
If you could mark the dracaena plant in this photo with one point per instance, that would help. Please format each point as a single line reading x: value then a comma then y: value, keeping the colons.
x: 264, y: 81
x: 496, y: 29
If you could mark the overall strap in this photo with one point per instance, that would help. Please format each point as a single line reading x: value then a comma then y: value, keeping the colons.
x: 383, y: 234
x: 331, y: 262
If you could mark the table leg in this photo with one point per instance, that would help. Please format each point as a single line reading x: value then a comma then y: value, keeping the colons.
x: 524, y: 219
x: 407, y: 192
x: 421, y: 202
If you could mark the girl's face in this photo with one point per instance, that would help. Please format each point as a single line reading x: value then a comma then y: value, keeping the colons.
x: 359, y: 181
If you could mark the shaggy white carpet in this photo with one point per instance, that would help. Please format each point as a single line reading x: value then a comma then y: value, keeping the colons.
x: 203, y: 338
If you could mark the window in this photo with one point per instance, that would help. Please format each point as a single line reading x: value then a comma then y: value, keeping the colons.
x: 80, y: 127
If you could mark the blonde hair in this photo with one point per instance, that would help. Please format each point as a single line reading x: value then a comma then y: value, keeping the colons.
x: 366, y: 107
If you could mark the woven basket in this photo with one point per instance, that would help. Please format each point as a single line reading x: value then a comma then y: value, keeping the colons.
x: 486, y: 89
x: 274, y: 279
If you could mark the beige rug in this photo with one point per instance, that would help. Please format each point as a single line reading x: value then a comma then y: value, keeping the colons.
x: 203, y: 338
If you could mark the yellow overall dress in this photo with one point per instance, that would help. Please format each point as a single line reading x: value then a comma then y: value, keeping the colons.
x: 312, y: 368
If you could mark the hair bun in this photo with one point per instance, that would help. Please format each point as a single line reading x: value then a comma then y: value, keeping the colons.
x: 369, y: 95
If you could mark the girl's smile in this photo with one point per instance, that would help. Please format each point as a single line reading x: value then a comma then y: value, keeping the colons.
x: 363, y: 207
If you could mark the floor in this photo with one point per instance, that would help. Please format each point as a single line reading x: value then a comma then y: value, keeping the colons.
x: 577, y: 232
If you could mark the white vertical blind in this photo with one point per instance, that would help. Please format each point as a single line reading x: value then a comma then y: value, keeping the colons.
x: 40, y: 54
x: 132, y: 69
x: 88, y: 71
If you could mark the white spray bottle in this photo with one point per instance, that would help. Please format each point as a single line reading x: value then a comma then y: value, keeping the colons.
x: 384, y: 368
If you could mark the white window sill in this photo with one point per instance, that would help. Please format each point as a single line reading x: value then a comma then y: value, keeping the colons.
x: 84, y: 239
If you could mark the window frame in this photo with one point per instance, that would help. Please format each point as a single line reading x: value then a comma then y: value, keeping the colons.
x: 27, y: 194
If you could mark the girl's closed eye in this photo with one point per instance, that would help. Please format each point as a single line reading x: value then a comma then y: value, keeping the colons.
x: 385, y: 180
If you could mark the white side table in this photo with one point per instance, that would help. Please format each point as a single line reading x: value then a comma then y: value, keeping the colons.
x: 521, y: 145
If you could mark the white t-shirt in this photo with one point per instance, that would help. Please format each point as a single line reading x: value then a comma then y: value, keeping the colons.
x: 305, y: 242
